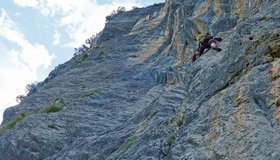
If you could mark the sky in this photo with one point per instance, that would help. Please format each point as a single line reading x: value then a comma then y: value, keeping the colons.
x: 37, y: 35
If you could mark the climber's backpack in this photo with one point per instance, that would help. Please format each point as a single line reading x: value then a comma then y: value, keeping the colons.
x: 199, y: 37
x: 202, y: 39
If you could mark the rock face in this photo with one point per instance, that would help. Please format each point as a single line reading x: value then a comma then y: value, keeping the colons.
x: 137, y: 95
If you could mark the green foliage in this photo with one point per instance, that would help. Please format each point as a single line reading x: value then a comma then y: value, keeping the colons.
x: 20, y: 98
x: 135, y: 7
x: 83, y: 57
x: 236, y: 14
x: 89, y: 93
x: 57, y: 99
x: 52, y: 108
x: 128, y: 142
x: 83, y: 87
x: 170, y: 141
x: 101, y: 53
x: 263, y: 18
x: 31, y: 88
x: 115, y: 12
x: 14, y: 121
x: 173, y: 81
x: 23, y: 115
x: 96, y: 46
x: 180, y: 121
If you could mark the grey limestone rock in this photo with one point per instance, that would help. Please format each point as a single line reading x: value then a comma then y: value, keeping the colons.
x: 138, y: 96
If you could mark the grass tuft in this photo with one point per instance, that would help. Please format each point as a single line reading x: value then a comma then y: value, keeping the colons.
x: 89, y: 93
x: 263, y: 18
x: 83, y: 57
x: 52, y: 108
x: 14, y: 121
x: 127, y: 144
x: 170, y: 141
x: 180, y: 121
x: 101, y: 54
x: 83, y: 87
x: 57, y: 99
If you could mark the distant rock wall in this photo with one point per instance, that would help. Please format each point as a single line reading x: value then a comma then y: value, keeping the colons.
x: 136, y: 95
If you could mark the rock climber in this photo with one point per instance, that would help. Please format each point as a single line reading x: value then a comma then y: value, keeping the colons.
x: 207, y: 41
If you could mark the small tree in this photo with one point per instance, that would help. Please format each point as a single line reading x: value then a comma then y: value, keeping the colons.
x: 121, y: 9
x: 80, y: 50
x: 134, y: 7
x: 90, y: 40
x: 31, y: 88
x: 114, y: 12
x: 109, y: 17
x: 85, y: 48
x: 76, y: 51
x: 20, y: 98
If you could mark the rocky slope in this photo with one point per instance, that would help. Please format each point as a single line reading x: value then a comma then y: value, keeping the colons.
x: 137, y: 95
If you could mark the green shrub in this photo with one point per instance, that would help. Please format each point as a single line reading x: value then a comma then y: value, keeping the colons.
x: 180, y: 121
x: 83, y: 57
x: 23, y: 115
x: 83, y: 87
x: 170, y: 141
x: 263, y: 18
x: 89, y: 93
x: 14, y: 121
x: 96, y: 46
x: 101, y: 54
x: 57, y: 99
x: 52, y: 108
x: 173, y: 81
x: 127, y: 144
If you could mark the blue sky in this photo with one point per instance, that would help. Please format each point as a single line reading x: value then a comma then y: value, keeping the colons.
x: 37, y: 35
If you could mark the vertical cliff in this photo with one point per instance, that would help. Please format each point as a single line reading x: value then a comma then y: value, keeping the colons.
x: 136, y: 95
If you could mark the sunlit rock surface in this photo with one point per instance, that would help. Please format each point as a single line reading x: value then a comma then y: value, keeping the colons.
x: 138, y: 96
